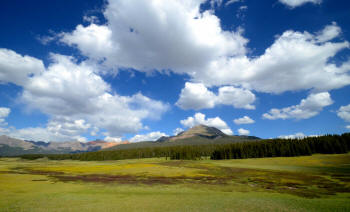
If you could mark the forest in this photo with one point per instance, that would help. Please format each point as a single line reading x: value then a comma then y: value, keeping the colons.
x: 327, y: 144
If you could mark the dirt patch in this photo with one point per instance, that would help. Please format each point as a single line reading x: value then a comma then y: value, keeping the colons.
x: 38, y: 180
x: 148, y: 180
x: 295, y: 183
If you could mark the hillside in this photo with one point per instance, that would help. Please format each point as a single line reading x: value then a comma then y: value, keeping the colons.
x: 12, y: 146
x: 198, y: 135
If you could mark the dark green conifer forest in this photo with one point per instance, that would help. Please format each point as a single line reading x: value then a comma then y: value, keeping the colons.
x: 328, y: 144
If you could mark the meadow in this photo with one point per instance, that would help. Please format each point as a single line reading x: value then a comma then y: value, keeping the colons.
x: 305, y: 183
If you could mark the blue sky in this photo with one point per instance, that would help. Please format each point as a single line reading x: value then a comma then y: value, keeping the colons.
x: 137, y: 70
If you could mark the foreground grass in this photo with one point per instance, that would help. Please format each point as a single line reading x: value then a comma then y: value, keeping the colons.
x: 310, y: 183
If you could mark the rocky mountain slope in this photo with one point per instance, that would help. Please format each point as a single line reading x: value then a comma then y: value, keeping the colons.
x: 200, y: 131
x: 11, y: 146
x: 197, y: 135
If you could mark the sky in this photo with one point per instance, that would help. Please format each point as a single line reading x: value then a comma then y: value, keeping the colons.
x: 140, y: 69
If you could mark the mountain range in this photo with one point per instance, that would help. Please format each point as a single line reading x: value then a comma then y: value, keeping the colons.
x: 197, y: 135
x: 12, y: 146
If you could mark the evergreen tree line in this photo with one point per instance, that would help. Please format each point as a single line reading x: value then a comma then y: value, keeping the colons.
x: 172, y: 153
x: 328, y: 144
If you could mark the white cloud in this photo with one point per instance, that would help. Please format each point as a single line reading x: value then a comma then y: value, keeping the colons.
x: 42, y: 134
x: 295, y: 61
x: 67, y: 127
x: 293, y: 136
x: 244, y: 120
x: 309, y: 107
x: 199, y: 118
x: 91, y: 19
x: 74, y: 90
x: 241, y: 12
x: 344, y: 113
x: 296, y: 3
x: 112, y: 139
x: 66, y: 88
x: 242, y: 131
x: 348, y: 127
x: 177, y: 131
x: 231, y: 2
x: 162, y: 35
x: 58, y: 129
x: 197, y: 96
x: 215, y: 3
x: 4, y: 112
x: 17, y: 69
x: 150, y: 35
x: 329, y: 33
x: 147, y: 137
x: 237, y: 97
x: 72, y: 94
x: 93, y: 41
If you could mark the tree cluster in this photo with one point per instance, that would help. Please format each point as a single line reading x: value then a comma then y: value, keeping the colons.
x: 328, y: 144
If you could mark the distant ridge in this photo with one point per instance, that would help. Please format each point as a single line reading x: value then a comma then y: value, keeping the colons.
x: 12, y: 146
x: 197, y: 135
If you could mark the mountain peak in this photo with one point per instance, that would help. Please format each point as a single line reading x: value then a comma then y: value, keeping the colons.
x: 203, y: 130
x: 198, y: 130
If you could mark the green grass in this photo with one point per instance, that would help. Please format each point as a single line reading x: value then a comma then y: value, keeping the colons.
x: 310, y: 183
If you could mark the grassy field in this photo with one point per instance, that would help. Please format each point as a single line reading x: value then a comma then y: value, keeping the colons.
x: 310, y: 183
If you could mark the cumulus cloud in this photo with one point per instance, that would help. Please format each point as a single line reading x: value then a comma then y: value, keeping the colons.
x: 177, y: 131
x: 295, y: 61
x: 296, y: 3
x: 344, y: 113
x: 15, y: 68
x: 197, y: 96
x: 113, y: 139
x: 67, y: 127
x: 242, y: 131
x: 150, y: 35
x: 55, y: 130
x: 348, y: 127
x: 199, y: 118
x: 244, y: 120
x: 329, y: 33
x: 74, y: 90
x: 4, y: 112
x: 163, y: 35
x: 74, y: 96
x: 93, y: 41
x: 147, y: 137
x: 309, y: 107
x: 293, y: 136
